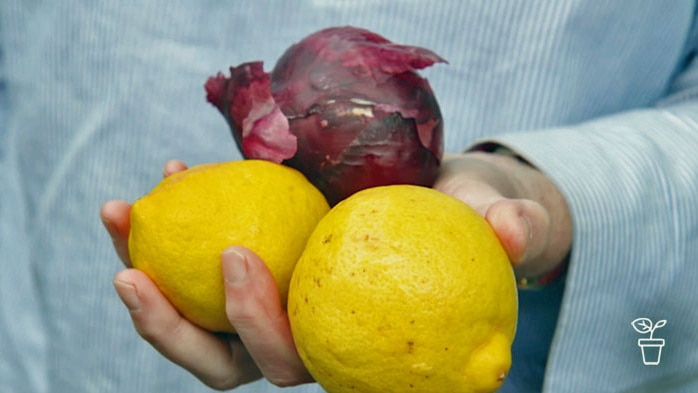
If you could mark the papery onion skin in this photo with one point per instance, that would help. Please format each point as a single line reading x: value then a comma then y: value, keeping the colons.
x: 344, y: 106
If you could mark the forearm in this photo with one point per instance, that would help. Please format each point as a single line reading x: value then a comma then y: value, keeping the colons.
x: 631, y: 185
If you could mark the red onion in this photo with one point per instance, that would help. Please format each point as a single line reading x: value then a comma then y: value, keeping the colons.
x: 344, y: 106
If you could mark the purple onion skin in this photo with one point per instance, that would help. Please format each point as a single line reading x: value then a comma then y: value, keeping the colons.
x: 344, y: 106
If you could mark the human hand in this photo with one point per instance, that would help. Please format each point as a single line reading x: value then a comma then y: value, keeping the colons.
x: 525, y: 208
x: 263, y: 346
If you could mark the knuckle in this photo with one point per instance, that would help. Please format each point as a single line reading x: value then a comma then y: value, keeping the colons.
x: 223, y: 384
x: 283, y: 379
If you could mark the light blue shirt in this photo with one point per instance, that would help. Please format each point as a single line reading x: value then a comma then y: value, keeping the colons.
x: 601, y: 96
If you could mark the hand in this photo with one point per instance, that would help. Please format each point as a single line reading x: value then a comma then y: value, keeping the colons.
x: 263, y: 346
x: 524, y: 207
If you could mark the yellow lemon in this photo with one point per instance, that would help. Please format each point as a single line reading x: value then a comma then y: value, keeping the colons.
x: 180, y: 228
x: 404, y: 289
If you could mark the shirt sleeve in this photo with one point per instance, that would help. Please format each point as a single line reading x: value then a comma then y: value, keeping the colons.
x: 631, y: 183
x: 4, y: 102
x: 21, y: 325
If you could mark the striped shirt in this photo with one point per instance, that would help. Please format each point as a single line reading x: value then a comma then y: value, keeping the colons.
x: 601, y: 96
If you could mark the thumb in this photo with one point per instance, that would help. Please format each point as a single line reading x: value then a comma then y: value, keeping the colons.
x: 254, y: 308
x: 250, y: 288
x: 523, y: 228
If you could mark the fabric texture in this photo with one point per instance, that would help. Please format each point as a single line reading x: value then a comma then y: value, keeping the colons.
x: 601, y: 96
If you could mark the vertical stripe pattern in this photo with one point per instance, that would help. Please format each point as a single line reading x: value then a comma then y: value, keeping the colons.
x: 97, y: 96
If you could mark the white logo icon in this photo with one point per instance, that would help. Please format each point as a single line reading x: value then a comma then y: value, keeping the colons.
x: 651, y: 347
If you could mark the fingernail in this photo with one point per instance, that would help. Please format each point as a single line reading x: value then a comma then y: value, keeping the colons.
x: 234, y: 267
x: 529, y: 235
x: 527, y: 224
x: 108, y: 225
x: 128, y: 294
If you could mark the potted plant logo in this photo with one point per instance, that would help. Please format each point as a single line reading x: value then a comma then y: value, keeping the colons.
x: 651, y: 347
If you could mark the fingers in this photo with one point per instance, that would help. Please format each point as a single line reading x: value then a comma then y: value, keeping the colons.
x: 259, y: 318
x: 525, y: 208
x: 475, y: 180
x: 116, y: 218
x: 265, y: 344
x: 219, y: 362
x: 173, y: 166
x: 523, y: 228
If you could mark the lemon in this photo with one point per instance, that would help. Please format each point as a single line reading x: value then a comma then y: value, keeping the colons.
x: 180, y: 228
x: 404, y: 289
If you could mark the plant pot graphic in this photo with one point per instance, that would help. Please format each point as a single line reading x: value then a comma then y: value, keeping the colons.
x: 651, y: 350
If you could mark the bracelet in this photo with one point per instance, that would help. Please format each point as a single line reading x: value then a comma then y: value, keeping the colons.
x: 544, y: 279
